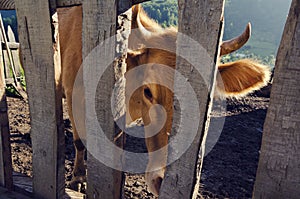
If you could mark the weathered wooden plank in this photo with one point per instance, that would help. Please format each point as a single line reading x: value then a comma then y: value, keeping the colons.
x: 198, y: 44
x: 11, y: 66
x: 7, y: 66
x: 123, y: 29
x: 9, y: 55
x: 60, y: 152
x: 70, y: 194
x: 64, y: 3
x: 23, y: 185
x: 14, y: 50
x: 6, y: 194
x: 11, y: 45
x: 278, y: 174
x: 10, y: 34
x: 9, y: 4
x: 9, y: 81
x: 138, y: 1
x: 16, y: 59
x: 5, y: 149
x: 100, y: 24
x: 47, y: 135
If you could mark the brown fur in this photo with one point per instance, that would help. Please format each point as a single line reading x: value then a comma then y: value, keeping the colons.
x: 239, y: 78
x: 70, y: 29
x: 234, y: 79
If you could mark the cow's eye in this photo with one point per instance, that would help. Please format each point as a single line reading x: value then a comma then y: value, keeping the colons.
x: 148, y: 94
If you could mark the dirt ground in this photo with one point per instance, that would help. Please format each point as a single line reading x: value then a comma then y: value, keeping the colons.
x: 229, y: 168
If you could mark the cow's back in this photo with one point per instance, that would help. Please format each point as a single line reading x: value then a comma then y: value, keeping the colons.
x: 70, y: 30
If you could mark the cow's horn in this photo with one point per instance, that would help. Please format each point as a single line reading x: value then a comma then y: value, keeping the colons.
x: 237, y: 42
x: 146, y: 33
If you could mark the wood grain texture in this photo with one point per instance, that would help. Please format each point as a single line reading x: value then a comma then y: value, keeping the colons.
x: 14, y: 50
x: 6, y: 194
x: 65, y: 3
x: 138, y: 1
x: 183, y: 176
x: 35, y: 35
x: 10, y: 34
x: 278, y: 174
x: 100, y: 24
x: 11, y: 45
x: 5, y: 148
x: 8, y: 51
x: 123, y: 30
x: 7, y: 5
x: 10, y: 5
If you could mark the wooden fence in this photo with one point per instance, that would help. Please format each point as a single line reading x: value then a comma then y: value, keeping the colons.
x: 11, y: 62
x: 36, y: 38
x: 12, y: 67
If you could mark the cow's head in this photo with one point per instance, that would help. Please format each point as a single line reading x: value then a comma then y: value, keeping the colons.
x: 239, y: 78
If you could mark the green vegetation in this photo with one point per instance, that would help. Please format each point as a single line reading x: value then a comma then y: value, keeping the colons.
x: 11, y: 90
x: 9, y: 18
x: 266, y: 16
x: 165, y: 12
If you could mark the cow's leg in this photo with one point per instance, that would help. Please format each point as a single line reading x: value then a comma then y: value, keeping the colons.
x: 79, y: 172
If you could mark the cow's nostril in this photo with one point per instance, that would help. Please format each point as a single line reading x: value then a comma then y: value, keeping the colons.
x: 148, y: 94
x: 157, y: 183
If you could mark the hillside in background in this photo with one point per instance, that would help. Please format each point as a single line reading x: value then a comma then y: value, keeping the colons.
x: 164, y: 12
x: 266, y: 16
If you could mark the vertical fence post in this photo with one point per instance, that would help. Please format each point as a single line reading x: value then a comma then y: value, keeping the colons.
x: 278, y: 173
x: 36, y: 38
x: 205, y: 27
x: 100, y: 23
x: 5, y: 148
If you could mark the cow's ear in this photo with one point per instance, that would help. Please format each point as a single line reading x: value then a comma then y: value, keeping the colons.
x: 236, y: 79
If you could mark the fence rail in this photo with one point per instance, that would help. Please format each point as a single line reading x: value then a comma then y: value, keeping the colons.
x: 45, y: 99
x: 10, y: 5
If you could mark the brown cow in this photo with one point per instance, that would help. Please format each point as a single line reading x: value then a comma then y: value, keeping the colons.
x: 70, y: 30
x: 240, y: 78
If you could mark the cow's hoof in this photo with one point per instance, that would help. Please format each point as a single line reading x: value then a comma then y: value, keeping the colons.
x: 78, y: 183
x: 154, y: 181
